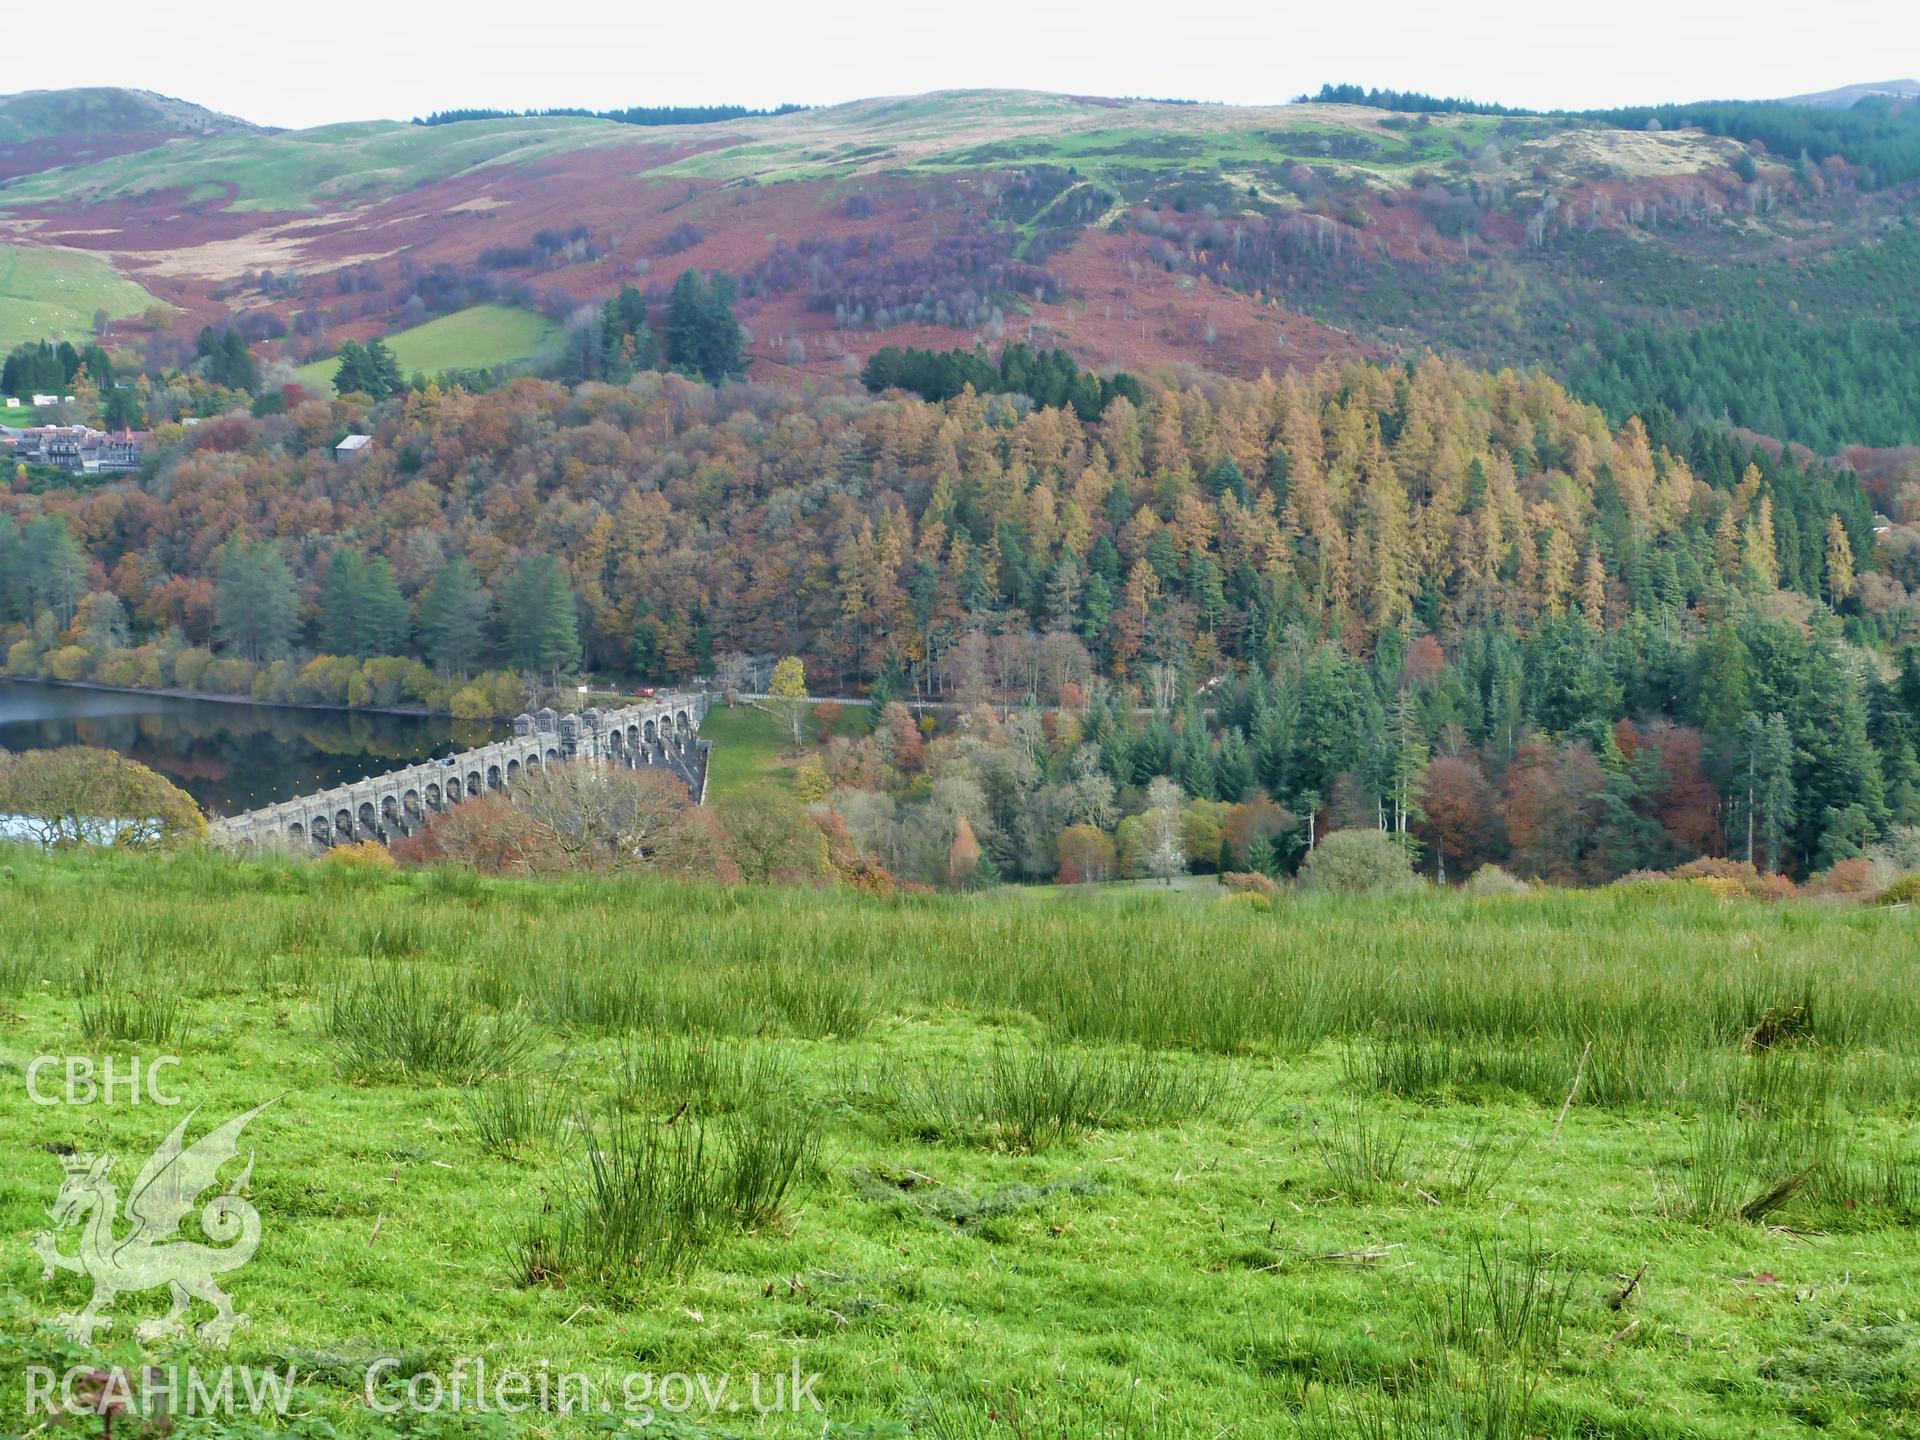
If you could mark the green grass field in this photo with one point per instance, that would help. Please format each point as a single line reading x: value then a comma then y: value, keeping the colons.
x: 45, y: 292
x: 1635, y: 1162
x: 336, y: 165
x: 304, y: 169
x: 749, y: 746
x: 18, y: 415
x: 473, y: 339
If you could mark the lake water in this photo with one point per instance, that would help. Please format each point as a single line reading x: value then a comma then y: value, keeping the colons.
x: 230, y: 757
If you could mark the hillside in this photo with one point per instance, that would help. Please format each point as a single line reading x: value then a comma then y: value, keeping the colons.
x: 1845, y: 97
x: 45, y: 129
x: 1749, y: 263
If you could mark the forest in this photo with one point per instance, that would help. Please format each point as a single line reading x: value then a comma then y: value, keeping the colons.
x: 1880, y: 137
x: 1310, y: 589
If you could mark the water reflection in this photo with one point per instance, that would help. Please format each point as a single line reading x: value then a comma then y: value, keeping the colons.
x: 230, y: 757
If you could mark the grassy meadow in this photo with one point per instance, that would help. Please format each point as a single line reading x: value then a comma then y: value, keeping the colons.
x: 1633, y: 1162
x: 749, y: 746
x: 477, y: 338
x: 46, y: 292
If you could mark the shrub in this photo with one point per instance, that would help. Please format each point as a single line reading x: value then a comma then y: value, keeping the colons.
x: 1729, y: 879
x: 190, y: 667
x: 368, y: 855
x: 1727, y: 887
x: 23, y: 658
x: 1355, y: 861
x: 470, y: 703
x: 69, y: 662
x: 1904, y: 891
x: 1246, y: 882
x: 1845, y: 877
x: 1492, y: 880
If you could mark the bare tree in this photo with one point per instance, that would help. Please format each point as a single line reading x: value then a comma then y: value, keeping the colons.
x: 1164, y: 854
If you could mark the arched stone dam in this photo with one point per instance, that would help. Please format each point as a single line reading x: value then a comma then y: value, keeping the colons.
x: 663, y: 732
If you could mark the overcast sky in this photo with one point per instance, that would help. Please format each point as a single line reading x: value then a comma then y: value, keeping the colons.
x: 360, y: 59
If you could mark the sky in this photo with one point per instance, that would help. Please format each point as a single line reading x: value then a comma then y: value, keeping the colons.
x: 366, y: 59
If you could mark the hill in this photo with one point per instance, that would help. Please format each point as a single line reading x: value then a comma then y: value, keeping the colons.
x: 1845, y: 97
x: 1745, y: 262
x: 55, y: 291
x: 44, y: 129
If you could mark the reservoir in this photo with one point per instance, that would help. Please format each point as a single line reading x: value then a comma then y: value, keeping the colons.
x: 230, y: 756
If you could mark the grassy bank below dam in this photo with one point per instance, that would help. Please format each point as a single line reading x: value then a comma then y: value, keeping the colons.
x: 1639, y: 1161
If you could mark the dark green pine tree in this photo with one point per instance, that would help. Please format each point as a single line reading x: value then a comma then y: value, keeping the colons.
x: 255, y: 607
x: 1233, y: 767
x: 386, y: 618
x: 703, y: 338
x: 387, y: 378
x: 55, y: 568
x: 338, y: 621
x: 362, y: 611
x: 369, y: 370
x: 1193, y: 760
x: 354, y: 373
x: 453, y: 618
x: 1839, y: 791
x: 539, y: 617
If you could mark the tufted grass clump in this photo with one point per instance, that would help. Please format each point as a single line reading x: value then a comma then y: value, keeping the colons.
x: 651, y: 1197
x: 121, y: 1006
x: 398, y: 1018
x: 1032, y: 1098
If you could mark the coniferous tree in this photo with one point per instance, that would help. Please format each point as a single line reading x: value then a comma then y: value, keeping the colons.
x: 453, y: 617
x: 55, y: 568
x: 538, y: 617
x: 257, y: 603
x: 361, y: 609
x: 703, y: 338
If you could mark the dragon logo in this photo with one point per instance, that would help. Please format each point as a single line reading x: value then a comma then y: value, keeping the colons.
x: 149, y: 1256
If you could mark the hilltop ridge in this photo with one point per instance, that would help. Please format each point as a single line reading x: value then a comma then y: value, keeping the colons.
x: 1132, y: 232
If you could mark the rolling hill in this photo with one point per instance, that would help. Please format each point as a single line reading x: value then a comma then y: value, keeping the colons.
x: 1845, y: 97
x: 45, y: 129
x: 1136, y: 233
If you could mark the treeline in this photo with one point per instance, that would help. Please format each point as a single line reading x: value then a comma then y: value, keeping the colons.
x: 356, y: 644
x: 1048, y: 377
x: 1564, y: 753
x: 42, y: 368
x: 1878, y: 137
x: 702, y: 338
x: 630, y: 115
x: 1875, y: 135
x: 1412, y: 102
x: 1180, y: 543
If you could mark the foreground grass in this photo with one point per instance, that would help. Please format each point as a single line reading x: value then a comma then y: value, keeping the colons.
x: 477, y: 338
x: 1136, y: 1165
